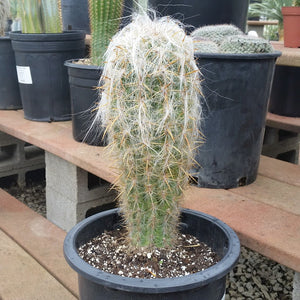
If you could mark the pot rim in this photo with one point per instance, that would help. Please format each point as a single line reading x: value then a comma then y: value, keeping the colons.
x: 239, y: 56
x: 196, y: 280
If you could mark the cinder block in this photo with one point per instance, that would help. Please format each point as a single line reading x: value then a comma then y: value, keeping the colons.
x: 72, y: 191
x: 281, y: 144
x: 18, y: 158
x: 296, y: 286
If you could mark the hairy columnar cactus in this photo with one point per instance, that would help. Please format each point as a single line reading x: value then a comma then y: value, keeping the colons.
x: 105, y: 19
x: 150, y: 107
x: 4, y: 14
x: 40, y: 16
x: 245, y: 44
x: 215, y: 33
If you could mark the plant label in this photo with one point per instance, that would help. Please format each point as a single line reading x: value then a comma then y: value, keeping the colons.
x: 24, y: 75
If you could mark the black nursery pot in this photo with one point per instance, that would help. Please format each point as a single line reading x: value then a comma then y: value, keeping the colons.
x: 285, y: 93
x: 43, y: 78
x: 204, y: 12
x: 208, y: 284
x: 9, y: 88
x: 236, y: 89
x: 84, y: 80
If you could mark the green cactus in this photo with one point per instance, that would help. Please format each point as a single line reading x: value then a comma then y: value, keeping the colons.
x: 105, y: 19
x: 40, y: 16
x: 215, y: 33
x: 205, y: 46
x: 150, y: 107
x: 245, y: 44
x: 4, y: 14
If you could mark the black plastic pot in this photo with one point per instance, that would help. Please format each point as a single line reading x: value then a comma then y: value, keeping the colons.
x: 75, y: 15
x: 84, y: 80
x: 204, y: 12
x: 208, y: 284
x: 285, y: 94
x: 236, y: 89
x: 9, y: 88
x: 43, y: 78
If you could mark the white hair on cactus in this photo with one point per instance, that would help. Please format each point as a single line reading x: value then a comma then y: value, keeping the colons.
x: 4, y: 14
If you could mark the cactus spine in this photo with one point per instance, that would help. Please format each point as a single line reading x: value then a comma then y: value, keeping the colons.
x: 105, y: 19
x: 150, y: 107
x: 40, y: 16
x: 4, y: 13
x: 215, y: 33
x: 245, y: 44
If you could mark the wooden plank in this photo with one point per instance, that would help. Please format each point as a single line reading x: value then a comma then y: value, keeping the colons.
x: 269, y: 191
x: 289, y: 57
x: 23, y: 278
x: 282, y: 122
x: 261, y: 227
x: 38, y: 237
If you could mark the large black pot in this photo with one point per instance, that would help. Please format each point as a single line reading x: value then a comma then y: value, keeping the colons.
x: 84, y: 80
x: 9, y: 88
x: 43, y: 78
x: 204, y: 12
x: 236, y: 89
x: 285, y: 94
x: 208, y: 284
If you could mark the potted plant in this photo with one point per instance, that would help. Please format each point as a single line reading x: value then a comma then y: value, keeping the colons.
x: 9, y: 90
x: 151, y: 110
x: 204, y: 12
x: 291, y: 25
x: 271, y: 10
x: 84, y: 74
x: 40, y: 51
x: 237, y: 75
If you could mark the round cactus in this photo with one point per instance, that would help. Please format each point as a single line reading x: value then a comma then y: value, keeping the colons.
x: 245, y: 44
x: 4, y: 14
x: 205, y: 46
x: 151, y: 110
x: 215, y: 33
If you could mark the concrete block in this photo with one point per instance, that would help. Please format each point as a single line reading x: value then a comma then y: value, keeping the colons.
x: 70, y: 192
x: 281, y: 144
x: 296, y: 286
x: 18, y: 158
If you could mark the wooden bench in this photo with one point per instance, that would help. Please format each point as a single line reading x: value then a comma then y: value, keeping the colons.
x: 265, y: 214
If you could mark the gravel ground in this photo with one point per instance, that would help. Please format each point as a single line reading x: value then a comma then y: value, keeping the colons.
x: 254, y: 277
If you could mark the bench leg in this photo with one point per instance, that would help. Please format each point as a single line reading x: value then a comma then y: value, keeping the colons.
x: 69, y: 194
x: 296, y: 286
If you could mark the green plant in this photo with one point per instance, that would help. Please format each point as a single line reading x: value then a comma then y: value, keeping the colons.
x: 150, y: 108
x: 215, y: 33
x: 245, y: 44
x: 296, y: 3
x: 40, y: 16
x: 4, y: 14
x: 205, y: 46
x: 105, y: 19
x: 269, y: 9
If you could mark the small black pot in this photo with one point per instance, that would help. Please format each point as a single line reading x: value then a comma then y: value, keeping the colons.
x: 84, y: 80
x: 43, y: 78
x: 204, y: 12
x: 236, y: 89
x: 9, y: 87
x: 208, y: 284
x: 285, y: 94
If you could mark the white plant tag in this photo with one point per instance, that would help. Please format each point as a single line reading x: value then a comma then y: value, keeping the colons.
x: 24, y: 75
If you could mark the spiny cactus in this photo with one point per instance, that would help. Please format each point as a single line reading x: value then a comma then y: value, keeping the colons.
x: 150, y: 107
x: 245, y: 44
x: 40, y: 16
x: 4, y: 14
x: 215, y: 33
x: 205, y: 46
x: 105, y: 19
